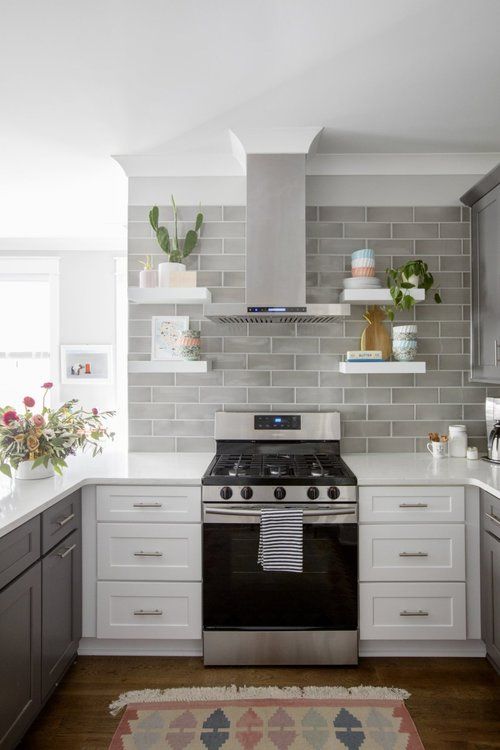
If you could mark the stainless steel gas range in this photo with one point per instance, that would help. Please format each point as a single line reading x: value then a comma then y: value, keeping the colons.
x: 251, y: 616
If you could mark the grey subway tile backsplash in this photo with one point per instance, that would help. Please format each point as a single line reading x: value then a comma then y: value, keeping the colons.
x: 296, y: 367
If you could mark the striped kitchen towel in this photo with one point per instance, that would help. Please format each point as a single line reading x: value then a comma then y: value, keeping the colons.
x: 281, y: 539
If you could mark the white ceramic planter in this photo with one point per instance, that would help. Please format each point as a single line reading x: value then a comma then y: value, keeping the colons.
x: 25, y: 471
x: 148, y: 278
x: 164, y: 271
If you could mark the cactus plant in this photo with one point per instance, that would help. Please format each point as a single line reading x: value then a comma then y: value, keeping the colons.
x: 171, y: 245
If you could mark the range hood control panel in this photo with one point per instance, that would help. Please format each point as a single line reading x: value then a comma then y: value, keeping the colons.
x: 277, y: 422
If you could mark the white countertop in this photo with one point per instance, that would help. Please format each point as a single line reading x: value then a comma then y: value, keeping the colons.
x: 21, y: 500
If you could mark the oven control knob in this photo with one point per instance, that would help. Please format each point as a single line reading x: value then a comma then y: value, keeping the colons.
x: 313, y: 493
x: 333, y: 493
x: 280, y: 493
x: 246, y: 493
x: 226, y: 493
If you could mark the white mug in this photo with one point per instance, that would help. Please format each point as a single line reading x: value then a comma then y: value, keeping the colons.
x: 437, y: 448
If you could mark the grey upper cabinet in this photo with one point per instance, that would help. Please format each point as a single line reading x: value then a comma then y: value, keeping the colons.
x: 484, y: 199
x: 61, y: 609
x: 490, y: 578
x: 20, y: 640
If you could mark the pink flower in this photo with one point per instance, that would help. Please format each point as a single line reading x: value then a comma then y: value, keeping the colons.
x: 10, y: 416
x: 95, y: 411
x: 38, y: 420
x: 48, y: 385
x: 28, y: 401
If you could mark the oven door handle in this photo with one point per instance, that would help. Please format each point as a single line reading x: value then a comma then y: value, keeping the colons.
x: 254, y: 514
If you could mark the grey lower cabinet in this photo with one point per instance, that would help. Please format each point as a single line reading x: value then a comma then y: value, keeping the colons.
x: 490, y: 578
x: 61, y: 609
x: 20, y: 652
x: 40, y: 613
x: 484, y: 200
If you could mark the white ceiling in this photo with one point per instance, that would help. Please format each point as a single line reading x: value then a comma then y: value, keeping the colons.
x: 80, y: 81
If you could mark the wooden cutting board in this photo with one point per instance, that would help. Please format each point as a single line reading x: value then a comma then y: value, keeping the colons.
x: 376, y: 335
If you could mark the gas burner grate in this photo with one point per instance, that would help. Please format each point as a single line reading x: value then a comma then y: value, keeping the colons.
x: 279, y: 465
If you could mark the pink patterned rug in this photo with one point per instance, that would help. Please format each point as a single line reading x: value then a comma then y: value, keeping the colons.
x: 304, y: 723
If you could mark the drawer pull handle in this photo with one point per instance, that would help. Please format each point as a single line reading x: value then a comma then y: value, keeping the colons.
x: 418, y: 613
x: 493, y: 518
x: 413, y: 505
x: 141, y: 553
x: 66, y: 520
x: 414, y: 554
x: 66, y: 551
x: 141, y: 612
x: 148, y: 505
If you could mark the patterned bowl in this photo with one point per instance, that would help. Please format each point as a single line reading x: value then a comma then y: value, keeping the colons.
x: 362, y: 262
x: 365, y: 253
x: 363, y: 271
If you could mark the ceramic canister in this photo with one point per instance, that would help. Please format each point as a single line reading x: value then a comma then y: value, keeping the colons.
x: 189, y: 345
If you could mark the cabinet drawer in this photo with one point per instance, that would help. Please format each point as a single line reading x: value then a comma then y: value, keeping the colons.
x: 149, y: 552
x: 418, y: 552
x: 153, y: 504
x: 18, y: 550
x: 411, y: 504
x: 412, y: 611
x: 60, y: 520
x: 148, y: 610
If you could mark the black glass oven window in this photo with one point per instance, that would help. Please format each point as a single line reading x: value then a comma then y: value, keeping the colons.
x: 237, y: 593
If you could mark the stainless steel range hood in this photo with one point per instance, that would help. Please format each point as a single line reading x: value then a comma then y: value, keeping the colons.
x: 275, y: 161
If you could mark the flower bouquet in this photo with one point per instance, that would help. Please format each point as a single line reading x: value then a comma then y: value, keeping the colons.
x: 37, y: 444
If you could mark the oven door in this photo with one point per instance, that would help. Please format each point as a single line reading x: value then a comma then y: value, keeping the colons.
x: 239, y: 595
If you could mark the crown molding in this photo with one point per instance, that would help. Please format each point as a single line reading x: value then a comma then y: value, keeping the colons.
x: 401, y: 164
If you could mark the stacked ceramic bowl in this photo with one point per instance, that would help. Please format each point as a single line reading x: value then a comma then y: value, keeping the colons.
x: 363, y: 271
x: 363, y: 263
x: 404, y: 343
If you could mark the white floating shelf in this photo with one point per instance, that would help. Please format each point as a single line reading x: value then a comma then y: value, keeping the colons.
x: 355, y: 368
x: 375, y: 296
x: 169, y: 295
x: 169, y: 365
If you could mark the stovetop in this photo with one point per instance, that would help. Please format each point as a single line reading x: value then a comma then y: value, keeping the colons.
x: 295, y: 463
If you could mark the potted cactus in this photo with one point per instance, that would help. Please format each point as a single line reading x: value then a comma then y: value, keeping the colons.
x: 171, y: 246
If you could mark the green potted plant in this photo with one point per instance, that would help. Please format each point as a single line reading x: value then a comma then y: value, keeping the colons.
x: 148, y: 277
x: 414, y: 274
x: 171, y: 246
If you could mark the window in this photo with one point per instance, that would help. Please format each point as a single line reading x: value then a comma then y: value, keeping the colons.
x: 28, y: 327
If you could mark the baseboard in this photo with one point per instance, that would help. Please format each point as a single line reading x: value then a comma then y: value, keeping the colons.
x: 125, y: 647
x: 467, y: 649
x: 133, y: 647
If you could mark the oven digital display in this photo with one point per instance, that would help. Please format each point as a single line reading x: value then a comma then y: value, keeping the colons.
x: 277, y: 422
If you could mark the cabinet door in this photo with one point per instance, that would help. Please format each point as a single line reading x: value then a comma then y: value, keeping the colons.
x: 20, y: 700
x: 61, y: 609
x: 485, y: 343
x: 491, y: 595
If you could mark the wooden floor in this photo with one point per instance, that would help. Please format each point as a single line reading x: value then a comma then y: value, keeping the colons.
x: 455, y: 703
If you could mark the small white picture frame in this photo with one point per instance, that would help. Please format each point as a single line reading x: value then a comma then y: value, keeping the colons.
x: 165, y: 330
x: 86, y: 364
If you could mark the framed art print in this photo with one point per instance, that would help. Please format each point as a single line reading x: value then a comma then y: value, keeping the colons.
x: 165, y: 333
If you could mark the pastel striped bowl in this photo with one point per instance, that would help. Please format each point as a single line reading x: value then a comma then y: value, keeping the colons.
x: 366, y: 253
x: 362, y: 262
x: 363, y: 271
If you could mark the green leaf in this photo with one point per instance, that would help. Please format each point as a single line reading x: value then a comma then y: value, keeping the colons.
x: 37, y: 462
x: 199, y: 222
x: 163, y: 238
x: 189, y: 243
x: 437, y: 298
x: 153, y: 217
x: 5, y: 469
